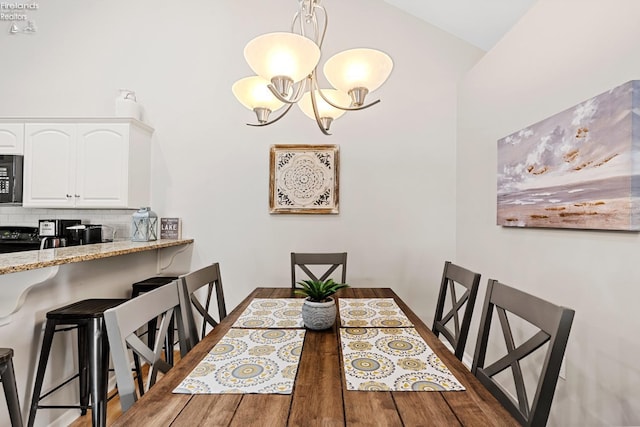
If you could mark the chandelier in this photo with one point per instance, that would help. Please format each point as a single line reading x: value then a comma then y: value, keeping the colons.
x: 286, y: 66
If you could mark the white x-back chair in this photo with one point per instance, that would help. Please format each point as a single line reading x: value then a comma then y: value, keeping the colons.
x: 122, y: 323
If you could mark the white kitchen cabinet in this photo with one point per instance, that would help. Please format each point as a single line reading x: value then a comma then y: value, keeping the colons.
x: 11, y: 138
x: 87, y: 164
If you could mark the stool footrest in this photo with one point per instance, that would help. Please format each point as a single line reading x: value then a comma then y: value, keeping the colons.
x: 58, y: 387
x: 63, y: 407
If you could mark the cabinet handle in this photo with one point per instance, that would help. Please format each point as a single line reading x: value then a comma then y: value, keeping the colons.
x: 76, y: 196
x: 68, y: 196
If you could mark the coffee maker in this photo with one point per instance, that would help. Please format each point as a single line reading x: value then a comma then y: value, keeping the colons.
x: 54, y: 233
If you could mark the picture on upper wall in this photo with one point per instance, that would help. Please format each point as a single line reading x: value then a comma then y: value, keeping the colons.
x: 577, y: 169
x: 304, y: 179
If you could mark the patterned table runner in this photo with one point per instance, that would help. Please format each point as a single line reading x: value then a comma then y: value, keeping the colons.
x: 392, y: 359
x: 376, y: 312
x: 248, y: 361
x: 272, y: 313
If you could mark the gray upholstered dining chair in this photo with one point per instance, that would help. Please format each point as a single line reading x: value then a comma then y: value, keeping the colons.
x: 453, y: 277
x: 552, y: 323
x: 189, y: 284
x: 122, y: 323
x: 332, y: 260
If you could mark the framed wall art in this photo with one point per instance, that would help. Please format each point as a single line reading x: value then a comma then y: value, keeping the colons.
x: 577, y: 169
x: 304, y: 179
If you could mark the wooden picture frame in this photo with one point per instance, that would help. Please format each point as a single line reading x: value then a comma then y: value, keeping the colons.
x: 304, y: 179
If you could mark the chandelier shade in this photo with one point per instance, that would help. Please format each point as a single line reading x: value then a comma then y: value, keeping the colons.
x: 252, y: 92
x: 358, y: 68
x: 282, y: 55
x: 326, y: 113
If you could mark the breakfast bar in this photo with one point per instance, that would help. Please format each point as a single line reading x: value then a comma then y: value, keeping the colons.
x: 29, y: 260
x: 47, y: 261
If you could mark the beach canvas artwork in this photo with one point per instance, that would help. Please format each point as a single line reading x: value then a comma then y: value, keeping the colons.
x: 577, y: 169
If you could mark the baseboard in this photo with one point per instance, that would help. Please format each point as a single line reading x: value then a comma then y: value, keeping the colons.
x: 467, y: 360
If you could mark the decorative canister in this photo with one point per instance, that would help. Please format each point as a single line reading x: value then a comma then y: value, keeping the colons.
x: 126, y: 105
x: 144, y: 225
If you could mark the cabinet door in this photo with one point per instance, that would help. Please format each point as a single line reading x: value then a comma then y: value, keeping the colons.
x: 103, y: 164
x: 49, y: 165
x: 11, y: 138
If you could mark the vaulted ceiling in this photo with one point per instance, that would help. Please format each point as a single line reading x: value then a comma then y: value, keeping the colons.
x: 479, y: 22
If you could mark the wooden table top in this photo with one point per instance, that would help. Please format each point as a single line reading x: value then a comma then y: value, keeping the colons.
x: 320, y: 396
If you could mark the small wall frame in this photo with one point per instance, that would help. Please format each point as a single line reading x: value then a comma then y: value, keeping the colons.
x: 303, y: 179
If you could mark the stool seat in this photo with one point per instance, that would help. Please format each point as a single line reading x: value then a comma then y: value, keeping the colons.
x: 87, y: 316
x: 85, y: 309
x: 8, y: 378
x: 150, y: 284
x: 6, y: 354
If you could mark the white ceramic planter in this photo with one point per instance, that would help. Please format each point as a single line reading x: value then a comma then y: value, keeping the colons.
x: 319, y: 315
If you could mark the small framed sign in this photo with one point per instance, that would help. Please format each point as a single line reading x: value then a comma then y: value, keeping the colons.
x: 170, y: 228
x: 304, y: 179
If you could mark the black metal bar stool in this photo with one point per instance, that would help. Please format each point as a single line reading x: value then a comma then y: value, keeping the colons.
x: 93, y: 356
x: 9, y: 385
x: 141, y: 287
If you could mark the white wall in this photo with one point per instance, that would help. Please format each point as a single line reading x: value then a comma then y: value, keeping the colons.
x: 397, y: 181
x: 561, y: 53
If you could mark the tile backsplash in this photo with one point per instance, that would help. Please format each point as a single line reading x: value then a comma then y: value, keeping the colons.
x: 119, y: 219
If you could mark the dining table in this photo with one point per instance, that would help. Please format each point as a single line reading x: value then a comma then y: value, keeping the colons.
x: 320, y: 396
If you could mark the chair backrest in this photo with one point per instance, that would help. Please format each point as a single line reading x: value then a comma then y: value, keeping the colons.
x: 331, y: 260
x: 189, y: 283
x: 124, y: 320
x: 454, y: 274
x: 553, y: 323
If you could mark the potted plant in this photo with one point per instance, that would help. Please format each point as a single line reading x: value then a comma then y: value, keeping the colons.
x: 319, y: 308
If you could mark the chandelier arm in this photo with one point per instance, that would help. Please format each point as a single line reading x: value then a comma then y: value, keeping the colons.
x: 310, y: 16
x: 297, y: 18
x: 362, y: 107
x: 314, y: 85
x: 286, y: 110
x: 315, y: 111
x: 296, y: 97
x: 320, y: 39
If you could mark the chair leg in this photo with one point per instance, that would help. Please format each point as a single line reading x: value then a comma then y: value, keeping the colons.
x: 83, y: 368
x: 11, y: 393
x: 99, y: 362
x: 206, y: 308
x: 168, y: 343
x: 152, y: 325
x: 138, y: 369
x: 42, y: 364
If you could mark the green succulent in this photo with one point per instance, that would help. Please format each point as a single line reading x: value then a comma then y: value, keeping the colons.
x: 317, y: 290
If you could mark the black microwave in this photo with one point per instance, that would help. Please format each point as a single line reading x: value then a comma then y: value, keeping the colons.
x: 11, y: 178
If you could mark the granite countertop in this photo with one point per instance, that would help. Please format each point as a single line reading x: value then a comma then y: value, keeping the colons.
x: 30, y: 260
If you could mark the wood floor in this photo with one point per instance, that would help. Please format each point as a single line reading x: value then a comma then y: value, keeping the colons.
x: 113, y: 412
x: 113, y: 406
